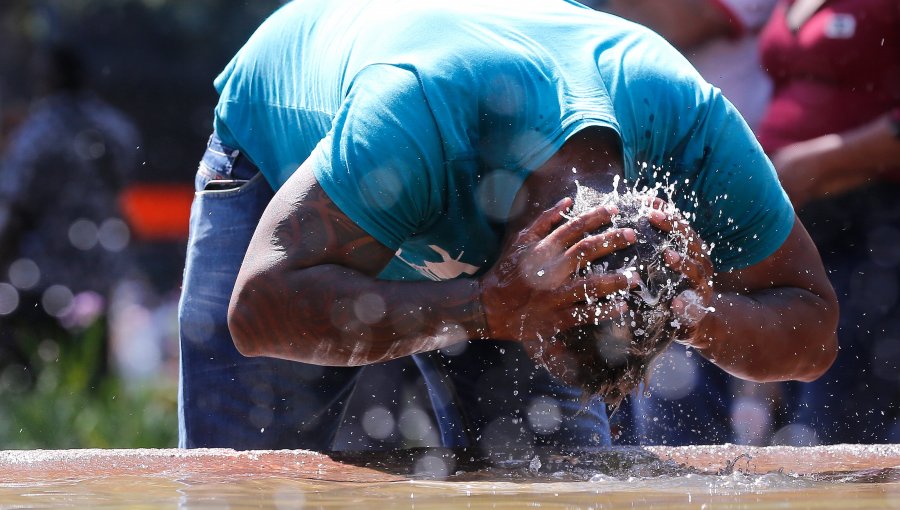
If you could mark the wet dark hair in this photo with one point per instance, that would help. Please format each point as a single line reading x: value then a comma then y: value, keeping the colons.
x: 614, y: 355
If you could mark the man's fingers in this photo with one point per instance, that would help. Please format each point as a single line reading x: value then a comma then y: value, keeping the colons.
x: 543, y: 225
x: 696, y: 271
x: 596, y: 246
x: 695, y: 264
x: 672, y: 223
x: 570, y: 232
x: 655, y: 203
x: 689, y: 306
x: 662, y: 220
x: 592, y: 288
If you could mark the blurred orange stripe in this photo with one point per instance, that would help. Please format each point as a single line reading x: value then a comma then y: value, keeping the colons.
x: 158, y: 211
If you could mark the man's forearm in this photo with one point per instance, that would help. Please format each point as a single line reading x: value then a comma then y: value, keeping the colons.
x: 332, y: 315
x: 771, y: 335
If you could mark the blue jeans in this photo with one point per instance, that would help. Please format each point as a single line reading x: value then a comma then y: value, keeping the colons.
x: 699, y: 414
x: 226, y: 399
x: 490, y: 395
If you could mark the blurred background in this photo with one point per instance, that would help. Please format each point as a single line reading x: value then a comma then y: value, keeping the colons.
x: 147, y: 68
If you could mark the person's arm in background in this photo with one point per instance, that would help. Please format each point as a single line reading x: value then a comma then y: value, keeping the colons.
x: 836, y: 163
x: 684, y: 23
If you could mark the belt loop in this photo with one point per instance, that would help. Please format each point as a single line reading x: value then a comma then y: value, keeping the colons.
x: 233, y: 164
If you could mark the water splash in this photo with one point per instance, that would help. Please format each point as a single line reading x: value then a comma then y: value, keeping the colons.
x: 616, y: 353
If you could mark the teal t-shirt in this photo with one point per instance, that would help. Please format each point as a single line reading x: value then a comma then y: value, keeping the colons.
x: 421, y: 119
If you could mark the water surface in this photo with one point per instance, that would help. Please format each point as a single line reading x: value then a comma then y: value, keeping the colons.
x: 672, y: 478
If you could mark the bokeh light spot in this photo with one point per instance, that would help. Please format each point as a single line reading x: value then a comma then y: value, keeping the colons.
x: 83, y: 234
x: 9, y: 299
x: 455, y: 349
x: 415, y: 425
x: 432, y: 466
x: 495, y: 195
x: 24, y: 274
x: 369, y: 308
x: 544, y: 415
x: 752, y: 420
x: 381, y: 188
x: 57, y: 300
x: 378, y: 422
x: 674, y: 375
x: 795, y: 434
x: 114, y: 235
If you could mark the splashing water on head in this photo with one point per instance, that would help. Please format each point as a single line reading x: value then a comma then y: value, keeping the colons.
x: 616, y: 354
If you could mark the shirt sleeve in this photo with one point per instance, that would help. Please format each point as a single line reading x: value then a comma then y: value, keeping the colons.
x: 382, y: 161
x: 689, y: 142
x: 743, y: 210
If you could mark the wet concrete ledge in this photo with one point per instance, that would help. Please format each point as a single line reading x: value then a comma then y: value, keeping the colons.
x: 28, y: 466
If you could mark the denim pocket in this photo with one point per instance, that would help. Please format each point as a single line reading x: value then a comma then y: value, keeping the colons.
x: 220, y: 162
x: 204, y: 175
x: 233, y: 187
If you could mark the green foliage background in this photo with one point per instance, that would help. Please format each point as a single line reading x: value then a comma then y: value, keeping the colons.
x: 72, y: 402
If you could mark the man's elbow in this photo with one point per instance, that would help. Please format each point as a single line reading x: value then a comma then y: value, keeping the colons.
x: 244, y: 320
x: 825, y: 348
x: 819, y: 363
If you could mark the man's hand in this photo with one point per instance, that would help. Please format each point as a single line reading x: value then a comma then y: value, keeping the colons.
x: 535, y: 290
x: 693, y: 304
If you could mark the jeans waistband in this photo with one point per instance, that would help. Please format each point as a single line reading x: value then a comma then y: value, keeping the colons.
x: 228, y: 161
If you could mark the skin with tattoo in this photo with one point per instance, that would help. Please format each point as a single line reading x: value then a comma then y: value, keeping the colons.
x: 309, y: 269
x: 306, y: 247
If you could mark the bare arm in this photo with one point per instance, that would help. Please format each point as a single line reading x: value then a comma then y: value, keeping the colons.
x: 836, y: 163
x: 773, y: 321
x: 307, y: 289
x: 684, y: 23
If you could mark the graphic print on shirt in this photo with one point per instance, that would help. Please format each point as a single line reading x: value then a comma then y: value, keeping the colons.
x: 448, y: 269
x: 840, y: 26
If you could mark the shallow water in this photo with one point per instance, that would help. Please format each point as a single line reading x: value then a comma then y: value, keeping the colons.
x: 629, y: 478
x: 275, y: 492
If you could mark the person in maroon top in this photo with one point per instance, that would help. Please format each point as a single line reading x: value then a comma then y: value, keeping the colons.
x: 832, y: 130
